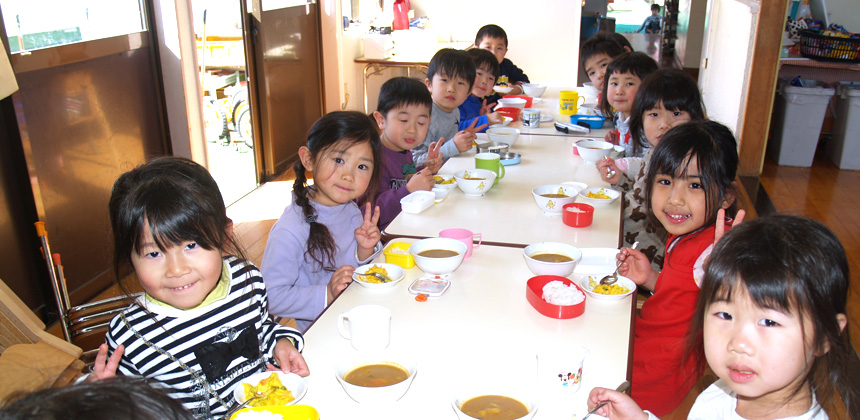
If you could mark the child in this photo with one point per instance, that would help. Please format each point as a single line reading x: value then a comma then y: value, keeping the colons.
x: 316, y: 244
x: 691, y: 177
x: 403, y: 115
x: 771, y: 323
x: 653, y: 24
x: 450, y: 77
x: 666, y: 98
x: 623, y: 77
x: 595, y: 54
x: 476, y: 107
x: 495, y: 40
x: 202, y: 324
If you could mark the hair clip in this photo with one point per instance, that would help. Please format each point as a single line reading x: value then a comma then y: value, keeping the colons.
x: 311, y: 219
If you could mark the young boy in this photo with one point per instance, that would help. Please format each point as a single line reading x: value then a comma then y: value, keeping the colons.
x: 494, y: 39
x: 450, y: 77
x: 595, y: 54
x: 403, y: 115
x: 653, y: 24
x: 476, y: 107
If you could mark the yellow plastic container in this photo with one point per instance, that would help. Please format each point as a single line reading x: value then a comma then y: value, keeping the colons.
x: 404, y: 259
x: 289, y: 412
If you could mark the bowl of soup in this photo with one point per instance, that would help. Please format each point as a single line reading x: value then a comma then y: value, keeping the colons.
x: 379, y: 377
x: 592, y: 150
x: 475, y: 182
x: 552, y: 258
x: 551, y: 198
x: 494, y: 403
x: 438, y: 255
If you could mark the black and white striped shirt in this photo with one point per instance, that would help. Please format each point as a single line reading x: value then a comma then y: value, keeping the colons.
x: 198, y: 338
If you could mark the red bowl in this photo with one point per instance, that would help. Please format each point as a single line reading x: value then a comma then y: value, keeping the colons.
x: 581, y: 218
x: 528, y: 99
x: 534, y: 294
x: 510, y: 111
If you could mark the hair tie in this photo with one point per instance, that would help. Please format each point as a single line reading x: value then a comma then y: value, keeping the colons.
x: 311, y: 219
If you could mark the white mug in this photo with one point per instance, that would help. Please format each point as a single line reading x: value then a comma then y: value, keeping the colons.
x: 561, y: 369
x: 369, y: 326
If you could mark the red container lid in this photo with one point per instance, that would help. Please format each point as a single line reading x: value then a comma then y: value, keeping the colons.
x: 510, y: 111
x: 534, y: 294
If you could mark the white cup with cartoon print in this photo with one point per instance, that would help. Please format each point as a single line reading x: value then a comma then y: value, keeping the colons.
x: 560, y: 369
x: 367, y: 327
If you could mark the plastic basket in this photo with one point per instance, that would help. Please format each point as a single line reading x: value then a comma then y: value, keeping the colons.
x: 829, y: 48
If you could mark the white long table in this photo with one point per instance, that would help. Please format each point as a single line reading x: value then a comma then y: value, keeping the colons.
x: 549, y: 105
x: 507, y: 214
x: 482, y: 329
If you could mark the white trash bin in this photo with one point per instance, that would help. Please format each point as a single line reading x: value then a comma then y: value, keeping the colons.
x: 798, y: 116
x: 844, y: 148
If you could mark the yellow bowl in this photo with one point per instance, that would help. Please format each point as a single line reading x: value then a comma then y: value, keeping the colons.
x: 403, y: 260
x: 289, y: 412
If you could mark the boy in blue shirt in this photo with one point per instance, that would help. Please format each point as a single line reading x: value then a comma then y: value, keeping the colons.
x: 653, y: 24
x: 476, y: 106
x: 494, y: 39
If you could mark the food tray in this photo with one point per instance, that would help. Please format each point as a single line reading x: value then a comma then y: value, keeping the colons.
x: 829, y: 48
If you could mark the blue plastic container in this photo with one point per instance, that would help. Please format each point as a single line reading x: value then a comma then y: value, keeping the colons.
x: 593, y: 121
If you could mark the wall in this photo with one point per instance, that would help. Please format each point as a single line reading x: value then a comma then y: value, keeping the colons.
x: 690, y: 32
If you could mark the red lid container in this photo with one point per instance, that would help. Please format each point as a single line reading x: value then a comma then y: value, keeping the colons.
x: 577, y: 214
x: 534, y: 294
x: 510, y: 111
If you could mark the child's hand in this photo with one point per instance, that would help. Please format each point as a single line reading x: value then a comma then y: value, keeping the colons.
x: 637, y: 267
x: 463, y: 140
x: 341, y: 278
x: 609, y: 170
x: 367, y: 235
x: 619, y: 407
x: 290, y: 360
x: 495, y: 118
x: 421, y: 181
x: 485, y: 108
x: 612, y: 137
x: 721, y: 223
x: 434, y: 159
x: 105, y: 368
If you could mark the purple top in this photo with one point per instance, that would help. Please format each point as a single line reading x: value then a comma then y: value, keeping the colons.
x: 392, y: 184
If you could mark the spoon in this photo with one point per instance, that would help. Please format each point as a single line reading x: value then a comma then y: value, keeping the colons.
x: 621, y: 388
x: 612, y: 278
x: 240, y: 406
x: 379, y: 276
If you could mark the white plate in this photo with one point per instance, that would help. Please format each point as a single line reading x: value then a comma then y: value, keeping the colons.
x: 394, y: 271
x: 295, y: 383
x: 545, y: 117
x: 599, y: 202
x: 597, y: 260
x: 623, y: 281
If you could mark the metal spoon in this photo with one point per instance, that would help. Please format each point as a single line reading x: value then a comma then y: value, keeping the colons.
x: 621, y: 388
x: 612, y: 278
x: 240, y: 406
x: 379, y: 276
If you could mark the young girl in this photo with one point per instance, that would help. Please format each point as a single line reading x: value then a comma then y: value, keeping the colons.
x: 771, y: 323
x: 316, y: 244
x: 666, y: 98
x: 623, y: 77
x: 690, y: 180
x: 202, y: 324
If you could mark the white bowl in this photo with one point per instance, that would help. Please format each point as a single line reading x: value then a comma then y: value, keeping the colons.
x: 417, y: 201
x: 599, y: 202
x: 512, y: 102
x: 552, y: 205
x: 503, y: 89
x: 617, y: 152
x: 438, y: 266
x: 507, y: 135
x: 475, y: 187
x: 592, y: 150
x: 534, y: 90
x: 586, y: 284
x: 381, y: 394
x: 394, y: 271
x: 579, y: 185
x: 540, y: 268
x: 447, y: 177
x: 441, y: 194
x: 528, y: 399
x: 295, y: 383
x: 504, y: 123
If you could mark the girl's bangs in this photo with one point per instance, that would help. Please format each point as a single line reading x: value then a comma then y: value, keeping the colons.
x: 172, y: 226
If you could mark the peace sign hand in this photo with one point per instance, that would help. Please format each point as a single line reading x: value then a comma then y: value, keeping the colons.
x: 367, y: 235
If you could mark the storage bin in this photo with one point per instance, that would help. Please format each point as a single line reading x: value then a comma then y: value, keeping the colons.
x: 798, y: 115
x: 844, y: 148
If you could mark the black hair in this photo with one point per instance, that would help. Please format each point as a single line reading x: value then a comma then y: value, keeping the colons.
x: 400, y: 92
x: 601, y: 43
x: 485, y: 60
x: 339, y: 127
x: 636, y: 63
x: 620, y: 39
x: 490, y: 31
x: 655, y: 6
x: 675, y: 90
x: 714, y: 147
x: 108, y: 399
x: 178, y: 199
x: 794, y: 265
x: 452, y: 63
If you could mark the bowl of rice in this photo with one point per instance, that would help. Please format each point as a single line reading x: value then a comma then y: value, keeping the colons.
x: 555, y: 296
